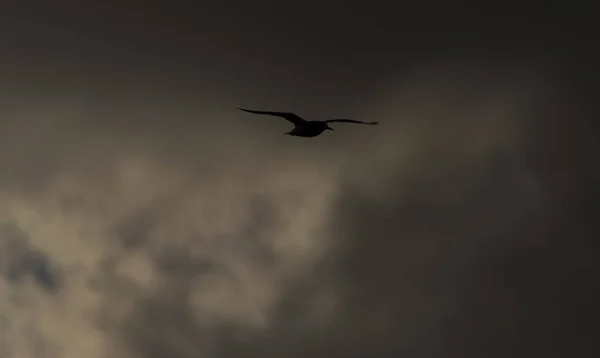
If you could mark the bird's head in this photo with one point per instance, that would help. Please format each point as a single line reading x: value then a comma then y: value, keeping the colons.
x: 328, y: 127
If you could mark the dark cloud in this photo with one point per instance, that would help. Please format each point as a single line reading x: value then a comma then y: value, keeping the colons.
x: 20, y: 260
x: 133, y: 232
x: 462, y: 226
x: 473, y: 257
x: 403, y: 269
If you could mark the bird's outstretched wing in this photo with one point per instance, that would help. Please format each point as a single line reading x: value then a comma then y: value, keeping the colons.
x: 296, y: 120
x: 350, y: 121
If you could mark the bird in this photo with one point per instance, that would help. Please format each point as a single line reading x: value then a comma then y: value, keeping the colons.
x: 302, y: 127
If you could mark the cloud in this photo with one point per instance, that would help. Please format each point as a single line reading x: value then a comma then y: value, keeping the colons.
x: 187, y: 239
x: 20, y: 260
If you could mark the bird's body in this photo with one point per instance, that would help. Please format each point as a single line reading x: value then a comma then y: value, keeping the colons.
x: 302, y: 127
x: 309, y: 129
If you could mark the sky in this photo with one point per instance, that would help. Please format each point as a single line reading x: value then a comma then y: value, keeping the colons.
x: 142, y: 215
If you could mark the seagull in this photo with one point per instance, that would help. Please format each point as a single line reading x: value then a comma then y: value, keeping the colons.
x: 302, y: 127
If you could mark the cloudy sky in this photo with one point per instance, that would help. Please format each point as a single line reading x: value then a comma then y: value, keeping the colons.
x: 142, y: 215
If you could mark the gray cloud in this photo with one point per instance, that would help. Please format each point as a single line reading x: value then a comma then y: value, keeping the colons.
x: 193, y: 237
x: 20, y: 260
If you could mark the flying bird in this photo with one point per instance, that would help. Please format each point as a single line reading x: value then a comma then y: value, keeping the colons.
x: 302, y: 127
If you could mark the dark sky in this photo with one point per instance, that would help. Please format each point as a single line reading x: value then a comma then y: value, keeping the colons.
x: 143, y: 216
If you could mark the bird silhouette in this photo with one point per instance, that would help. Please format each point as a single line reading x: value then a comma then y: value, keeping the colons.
x: 302, y: 127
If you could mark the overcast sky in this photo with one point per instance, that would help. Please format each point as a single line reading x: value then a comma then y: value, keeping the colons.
x: 142, y: 215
